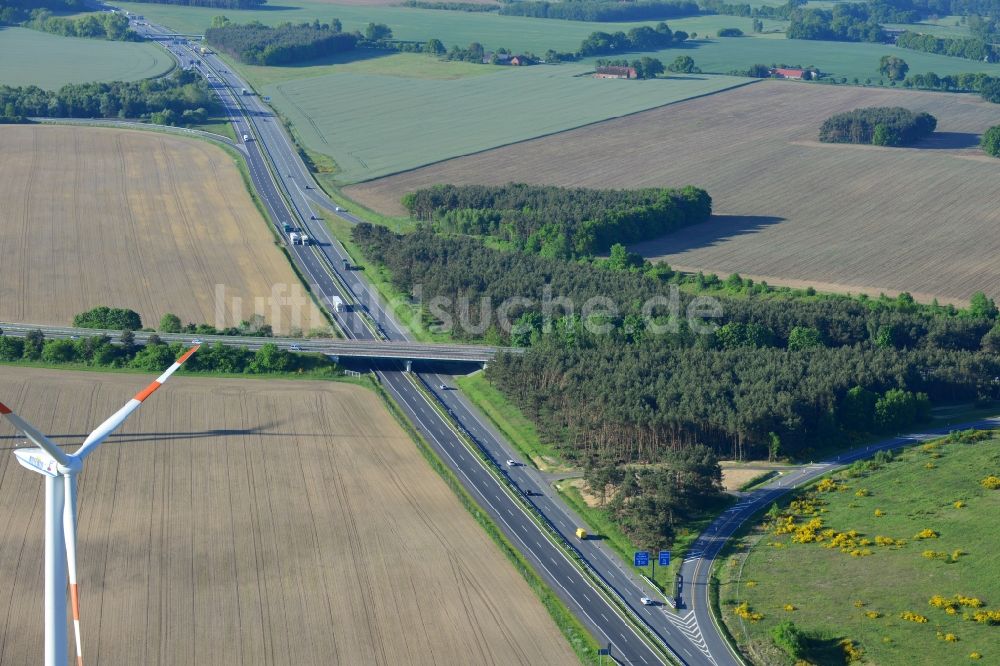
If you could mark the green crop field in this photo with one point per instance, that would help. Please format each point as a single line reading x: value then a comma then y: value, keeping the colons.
x: 30, y: 57
x: 374, y: 125
x: 859, y: 590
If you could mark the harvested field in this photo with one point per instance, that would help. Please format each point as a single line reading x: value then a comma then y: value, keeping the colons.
x: 258, y: 522
x: 134, y: 219
x: 841, y: 217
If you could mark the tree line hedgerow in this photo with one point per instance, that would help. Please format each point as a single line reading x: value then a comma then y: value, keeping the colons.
x: 878, y: 125
x: 259, y: 44
x: 557, y: 221
x: 182, y: 96
x: 156, y: 355
x: 775, y: 363
x: 215, y: 4
x: 596, y: 10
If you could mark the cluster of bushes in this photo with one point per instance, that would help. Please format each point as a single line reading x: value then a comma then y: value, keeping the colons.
x: 729, y: 32
x: 878, y: 125
x: 102, y: 25
x: 176, y: 98
x: 556, y: 221
x: 844, y: 23
x: 624, y: 391
x: 745, y: 10
x: 972, y: 48
x: 642, y: 38
x: 156, y: 356
x: 112, y: 319
x: 259, y: 44
x: 602, y: 10
x: 645, y: 67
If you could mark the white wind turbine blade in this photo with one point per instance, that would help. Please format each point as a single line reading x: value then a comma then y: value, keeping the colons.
x: 109, y: 426
x: 69, y: 532
x: 33, y: 435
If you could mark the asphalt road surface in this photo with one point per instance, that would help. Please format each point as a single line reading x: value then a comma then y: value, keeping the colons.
x: 287, y: 192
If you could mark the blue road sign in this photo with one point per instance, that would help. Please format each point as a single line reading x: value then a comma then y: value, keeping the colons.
x: 664, y: 558
x: 641, y: 558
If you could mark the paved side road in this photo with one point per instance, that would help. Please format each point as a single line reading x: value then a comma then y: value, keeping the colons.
x: 697, y: 567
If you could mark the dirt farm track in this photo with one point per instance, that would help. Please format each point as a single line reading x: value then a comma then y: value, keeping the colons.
x: 134, y: 219
x: 257, y: 522
x: 790, y: 209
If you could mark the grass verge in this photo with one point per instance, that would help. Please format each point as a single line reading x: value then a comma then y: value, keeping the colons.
x: 831, y: 594
x: 583, y: 643
x: 511, y: 423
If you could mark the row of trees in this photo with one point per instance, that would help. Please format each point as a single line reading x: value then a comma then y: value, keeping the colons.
x: 156, y: 355
x: 601, y: 10
x: 102, y: 25
x: 987, y: 86
x: 878, y: 125
x: 258, y: 44
x: 556, y: 221
x: 171, y: 97
x: 972, y: 48
x: 215, y: 4
x: 112, y: 319
x: 623, y: 391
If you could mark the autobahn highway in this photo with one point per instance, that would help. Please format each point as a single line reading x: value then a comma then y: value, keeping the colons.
x: 361, y: 349
x: 286, y: 193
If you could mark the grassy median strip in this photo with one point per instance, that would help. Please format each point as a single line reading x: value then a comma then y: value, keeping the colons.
x: 583, y: 643
x: 509, y: 420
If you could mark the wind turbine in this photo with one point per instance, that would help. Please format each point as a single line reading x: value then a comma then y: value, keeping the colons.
x: 60, y: 470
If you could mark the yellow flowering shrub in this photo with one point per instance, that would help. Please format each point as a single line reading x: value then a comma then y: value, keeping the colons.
x: 852, y: 652
x: 862, y: 492
x: 935, y: 555
x: 887, y: 542
x: 950, y: 638
x: 873, y: 615
x: 751, y: 583
x: 970, y: 602
x: 976, y: 656
x: 879, y: 513
x: 828, y: 485
x: 959, y: 504
x: 744, y: 611
x: 790, y: 608
x: 859, y: 604
x: 926, y: 534
x: 930, y: 465
x: 991, y: 482
x: 913, y: 617
x: 987, y: 616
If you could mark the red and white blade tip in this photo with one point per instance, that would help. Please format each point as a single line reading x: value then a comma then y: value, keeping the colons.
x: 4, y: 409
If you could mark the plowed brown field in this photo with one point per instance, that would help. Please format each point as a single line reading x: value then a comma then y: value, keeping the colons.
x: 147, y: 221
x: 792, y: 210
x: 253, y: 522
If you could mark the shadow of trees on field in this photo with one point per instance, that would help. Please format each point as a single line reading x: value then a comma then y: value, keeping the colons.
x: 357, y: 55
x: 948, y: 140
x: 719, y: 228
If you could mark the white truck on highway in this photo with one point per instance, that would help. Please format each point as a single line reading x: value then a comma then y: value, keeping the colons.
x: 306, y: 240
x: 294, y: 238
x: 337, y: 303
